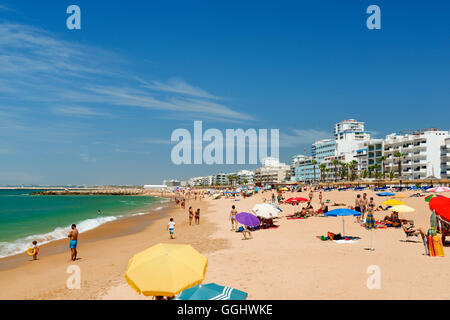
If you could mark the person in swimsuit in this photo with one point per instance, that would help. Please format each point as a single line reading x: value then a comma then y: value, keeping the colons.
x: 191, y: 215
x: 358, y: 206
x: 73, y: 236
x: 171, y: 228
x: 364, y: 205
x: 320, y: 197
x: 233, y: 218
x: 197, y: 216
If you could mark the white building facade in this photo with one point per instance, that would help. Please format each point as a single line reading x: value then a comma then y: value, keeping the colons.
x: 421, y: 153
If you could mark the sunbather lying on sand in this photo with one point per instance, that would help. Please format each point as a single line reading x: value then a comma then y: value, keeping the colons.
x: 338, y: 204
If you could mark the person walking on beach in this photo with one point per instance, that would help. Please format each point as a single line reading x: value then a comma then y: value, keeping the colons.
x: 320, y: 197
x: 233, y: 217
x: 73, y: 236
x: 171, y: 228
x: 191, y: 215
x: 197, y: 216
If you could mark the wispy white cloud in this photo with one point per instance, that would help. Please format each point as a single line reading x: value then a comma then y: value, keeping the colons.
x: 40, y: 68
x: 179, y: 86
x: 296, y: 137
x: 85, y: 157
x: 78, y: 111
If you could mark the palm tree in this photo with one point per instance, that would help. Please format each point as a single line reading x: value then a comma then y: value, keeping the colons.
x: 399, y: 157
x: 232, y: 178
x: 314, y: 162
x: 322, y: 168
x: 383, y: 159
x: 376, y: 167
x: 353, y: 166
x: 364, y: 174
x: 343, y: 172
x: 391, y: 175
x: 335, y: 163
x: 370, y: 168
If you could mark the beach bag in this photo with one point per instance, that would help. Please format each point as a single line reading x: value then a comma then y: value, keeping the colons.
x: 338, y: 237
x: 240, y: 229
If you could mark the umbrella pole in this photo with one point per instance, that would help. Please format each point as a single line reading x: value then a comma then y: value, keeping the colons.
x: 343, y: 227
x: 371, y: 239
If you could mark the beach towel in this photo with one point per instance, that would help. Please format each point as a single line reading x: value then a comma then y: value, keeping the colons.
x: 345, y: 241
x: 434, y: 246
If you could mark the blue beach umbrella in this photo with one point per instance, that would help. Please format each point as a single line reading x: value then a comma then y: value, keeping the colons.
x: 342, y: 212
x: 385, y: 194
x: 211, y: 291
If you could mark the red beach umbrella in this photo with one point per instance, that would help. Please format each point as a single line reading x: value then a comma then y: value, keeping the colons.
x: 441, y: 206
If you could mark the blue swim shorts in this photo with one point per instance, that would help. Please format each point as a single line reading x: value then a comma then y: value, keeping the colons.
x: 73, y: 244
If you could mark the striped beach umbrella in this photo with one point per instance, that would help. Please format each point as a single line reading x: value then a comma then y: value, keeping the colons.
x: 431, y: 196
x: 370, y: 225
x: 211, y: 291
x: 439, y: 189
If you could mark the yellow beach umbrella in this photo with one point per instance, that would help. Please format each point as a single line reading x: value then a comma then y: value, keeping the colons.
x: 166, y: 269
x: 402, y: 208
x: 400, y: 196
x: 283, y: 189
x: 392, y: 202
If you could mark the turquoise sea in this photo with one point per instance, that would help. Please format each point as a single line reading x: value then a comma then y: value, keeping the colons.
x: 25, y: 217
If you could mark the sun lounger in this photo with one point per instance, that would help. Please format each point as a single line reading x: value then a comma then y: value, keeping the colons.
x: 444, y: 227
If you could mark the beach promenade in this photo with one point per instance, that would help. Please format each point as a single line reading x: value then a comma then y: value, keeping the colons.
x: 288, y: 262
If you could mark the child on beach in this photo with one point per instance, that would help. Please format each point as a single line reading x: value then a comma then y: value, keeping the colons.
x: 36, y: 250
x: 171, y: 228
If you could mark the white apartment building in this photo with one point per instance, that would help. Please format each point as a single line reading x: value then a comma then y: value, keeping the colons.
x: 369, y: 153
x: 349, y: 134
x: 422, y: 153
x: 322, y: 149
x: 171, y: 183
x: 221, y: 179
x: 246, y: 175
x: 272, y: 172
x: 330, y: 168
x: 445, y: 159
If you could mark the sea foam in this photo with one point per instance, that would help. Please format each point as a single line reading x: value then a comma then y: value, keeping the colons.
x: 21, y: 245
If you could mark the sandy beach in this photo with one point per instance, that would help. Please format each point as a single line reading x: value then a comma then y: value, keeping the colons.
x: 288, y: 262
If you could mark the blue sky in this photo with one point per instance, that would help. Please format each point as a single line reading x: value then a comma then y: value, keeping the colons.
x: 98, y: 105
